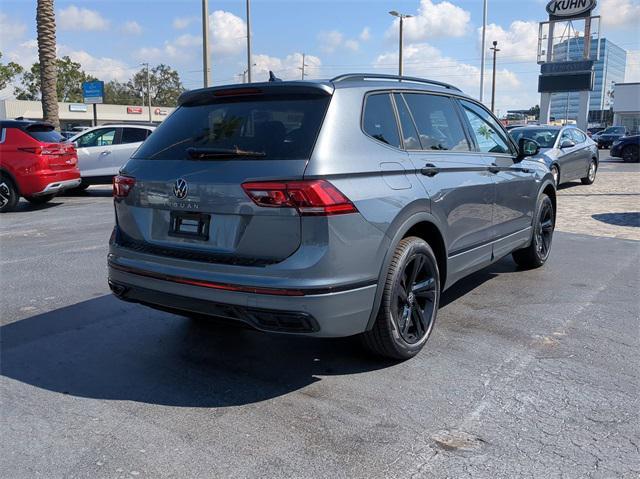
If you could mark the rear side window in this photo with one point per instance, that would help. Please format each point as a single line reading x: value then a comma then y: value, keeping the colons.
x: 274, y: 126
x: 409, y: 132
x: 438, y: 123
x: 134, y: 135
x: 100, y: 137
x: 487, y: 131
x: 44, y: 133
x: 379, y: 119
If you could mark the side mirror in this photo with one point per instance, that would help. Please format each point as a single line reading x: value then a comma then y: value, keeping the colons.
x: 527, y: 147
x: 567, y: 144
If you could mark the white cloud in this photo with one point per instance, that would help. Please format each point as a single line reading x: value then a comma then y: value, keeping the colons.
x: 228, y: 33
x: 365, y: 34
x: 74, y: 18
x: 181, y: 23
x: 433, y: 20
x: 330, y: 41
x: 228, y: 37
x: 620, y: 13
x: 520, y: 42
x: 103, y: 68
x: 287, y: 68
x: 10, y: 29
x: 426, y: 61
x: 632, y: 73
x: 24, y: 54
x: 132, y: 28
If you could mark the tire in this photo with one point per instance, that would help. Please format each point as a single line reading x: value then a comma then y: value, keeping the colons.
x: 591, y: 173
x: 9, y: 195
x: 631, y: 154
x: 409, y: 302
x: 39, y: 200
x: 537, y: 253
x: 555, y: 172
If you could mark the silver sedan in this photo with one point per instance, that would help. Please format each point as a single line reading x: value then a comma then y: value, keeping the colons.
x: 568, y: 152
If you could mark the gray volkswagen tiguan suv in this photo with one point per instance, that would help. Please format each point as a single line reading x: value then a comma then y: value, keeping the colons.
x: 325, y: 208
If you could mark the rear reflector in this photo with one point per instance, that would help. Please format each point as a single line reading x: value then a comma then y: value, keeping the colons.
x: 122, y: 185
x: 310, y: 198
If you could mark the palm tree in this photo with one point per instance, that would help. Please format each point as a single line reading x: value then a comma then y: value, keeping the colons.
x: 46, y: 21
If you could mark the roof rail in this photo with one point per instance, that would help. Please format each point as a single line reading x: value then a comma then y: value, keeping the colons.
x: 364, y: 76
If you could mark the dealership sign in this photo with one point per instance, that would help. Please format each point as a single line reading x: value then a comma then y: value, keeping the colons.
x: 570, y: 8
x: 93, y: 92
x: 134, y: 110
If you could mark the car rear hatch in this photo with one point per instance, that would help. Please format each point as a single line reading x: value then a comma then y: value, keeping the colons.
x: 55, y: 151
x: 182, y: 193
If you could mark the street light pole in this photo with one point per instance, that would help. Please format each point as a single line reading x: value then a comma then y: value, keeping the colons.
x: 205, y: 43
x: 248, y: 41
x: 484, y: 36
x: 146, y: 66
x: 493, y: 86
x: 401, y: 16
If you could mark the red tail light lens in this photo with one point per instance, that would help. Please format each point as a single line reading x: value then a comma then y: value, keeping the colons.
x: 122, y: 185
x: 310, y: 198
x: 44, y: 150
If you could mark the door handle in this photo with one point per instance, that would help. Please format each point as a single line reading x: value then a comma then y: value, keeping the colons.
x: 105, y: 153
x: 430, y: 170
x: 494, y: 168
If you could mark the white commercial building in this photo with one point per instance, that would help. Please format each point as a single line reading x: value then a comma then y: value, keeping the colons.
x: 626, y: 106
x: 80, y: 114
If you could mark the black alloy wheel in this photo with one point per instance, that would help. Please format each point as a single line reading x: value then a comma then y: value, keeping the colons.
x: 409, y: 303
x: 537, y: 253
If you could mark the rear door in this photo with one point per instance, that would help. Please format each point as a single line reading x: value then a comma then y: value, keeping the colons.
x: 191, y: 170
x: 570, y: 158
x: 457, y: 179
x: 584, y: 155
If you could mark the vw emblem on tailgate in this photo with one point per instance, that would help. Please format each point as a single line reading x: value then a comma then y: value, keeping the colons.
x: 180, y: 189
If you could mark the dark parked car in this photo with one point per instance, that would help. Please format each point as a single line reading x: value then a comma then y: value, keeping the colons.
x: 627, y: 148
x: 605, y: 138
x: 594, y: 130
x: 567, y: 151
x: 326, y: 208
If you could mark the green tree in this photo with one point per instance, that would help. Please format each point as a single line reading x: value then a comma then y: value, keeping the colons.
x: 165, y: 85
x: 69, y: 82
x: 8, y: 72
x: 117, y: 93
x: 534, y: 111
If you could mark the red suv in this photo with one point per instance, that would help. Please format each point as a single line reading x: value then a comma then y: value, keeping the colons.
x: 36, y: 162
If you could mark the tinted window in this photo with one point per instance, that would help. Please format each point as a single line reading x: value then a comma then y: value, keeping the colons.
x: 272, y: 126
x: 578, y: 136
x: 486, y: 130
x: 100, y: 137
x: 438, y: 124
x: 409, y: 132
x: 545, y: 137
x: 380, y: 121
x: 134, y: 135
x: 44, y: 133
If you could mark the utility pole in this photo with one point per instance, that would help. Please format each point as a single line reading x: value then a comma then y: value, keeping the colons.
x: 248, y: 41
x: 484, y: 36
x: 146, y: 66
x: 401, y: 16
x: 302, y: 67
x: 205, y: 43
x: 493, y: 86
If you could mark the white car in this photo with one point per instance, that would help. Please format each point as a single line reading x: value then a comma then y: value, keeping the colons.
x: 103, y: 149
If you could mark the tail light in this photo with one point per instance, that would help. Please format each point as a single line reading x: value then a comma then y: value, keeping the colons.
x: 310, y: 198
x: 43, y: 150
x: 122, y: 186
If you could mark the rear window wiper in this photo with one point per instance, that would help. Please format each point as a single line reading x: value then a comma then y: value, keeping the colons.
x: 221, y: 153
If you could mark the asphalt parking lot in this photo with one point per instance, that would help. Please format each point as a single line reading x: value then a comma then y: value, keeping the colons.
x: 527, y: 374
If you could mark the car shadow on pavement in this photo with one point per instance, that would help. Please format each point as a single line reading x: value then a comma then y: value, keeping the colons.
x: 629, y: 218
x: 25, y: 206
x: 107, y: 349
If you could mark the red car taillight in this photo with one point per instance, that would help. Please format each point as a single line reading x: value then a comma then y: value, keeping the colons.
x: 122, y: 185
x: 43, y: 150
x: 310, y: 198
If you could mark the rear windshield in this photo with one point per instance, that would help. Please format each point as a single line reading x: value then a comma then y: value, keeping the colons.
x: 545, y: 137
x: 44, y: 133
x: 274, y: 127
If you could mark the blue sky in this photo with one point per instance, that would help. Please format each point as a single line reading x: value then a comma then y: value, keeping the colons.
x: 110, y: 38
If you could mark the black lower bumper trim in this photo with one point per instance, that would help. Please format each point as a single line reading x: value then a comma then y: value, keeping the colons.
x: 263, y: 319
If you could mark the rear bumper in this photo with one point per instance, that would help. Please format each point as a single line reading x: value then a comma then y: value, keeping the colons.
x: 58, y: 186
x: 335, y: 313
x: 48, y: 182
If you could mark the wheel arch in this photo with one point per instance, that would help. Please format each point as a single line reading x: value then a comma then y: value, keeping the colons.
x: 422, y: 225
x: 8, y: 174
